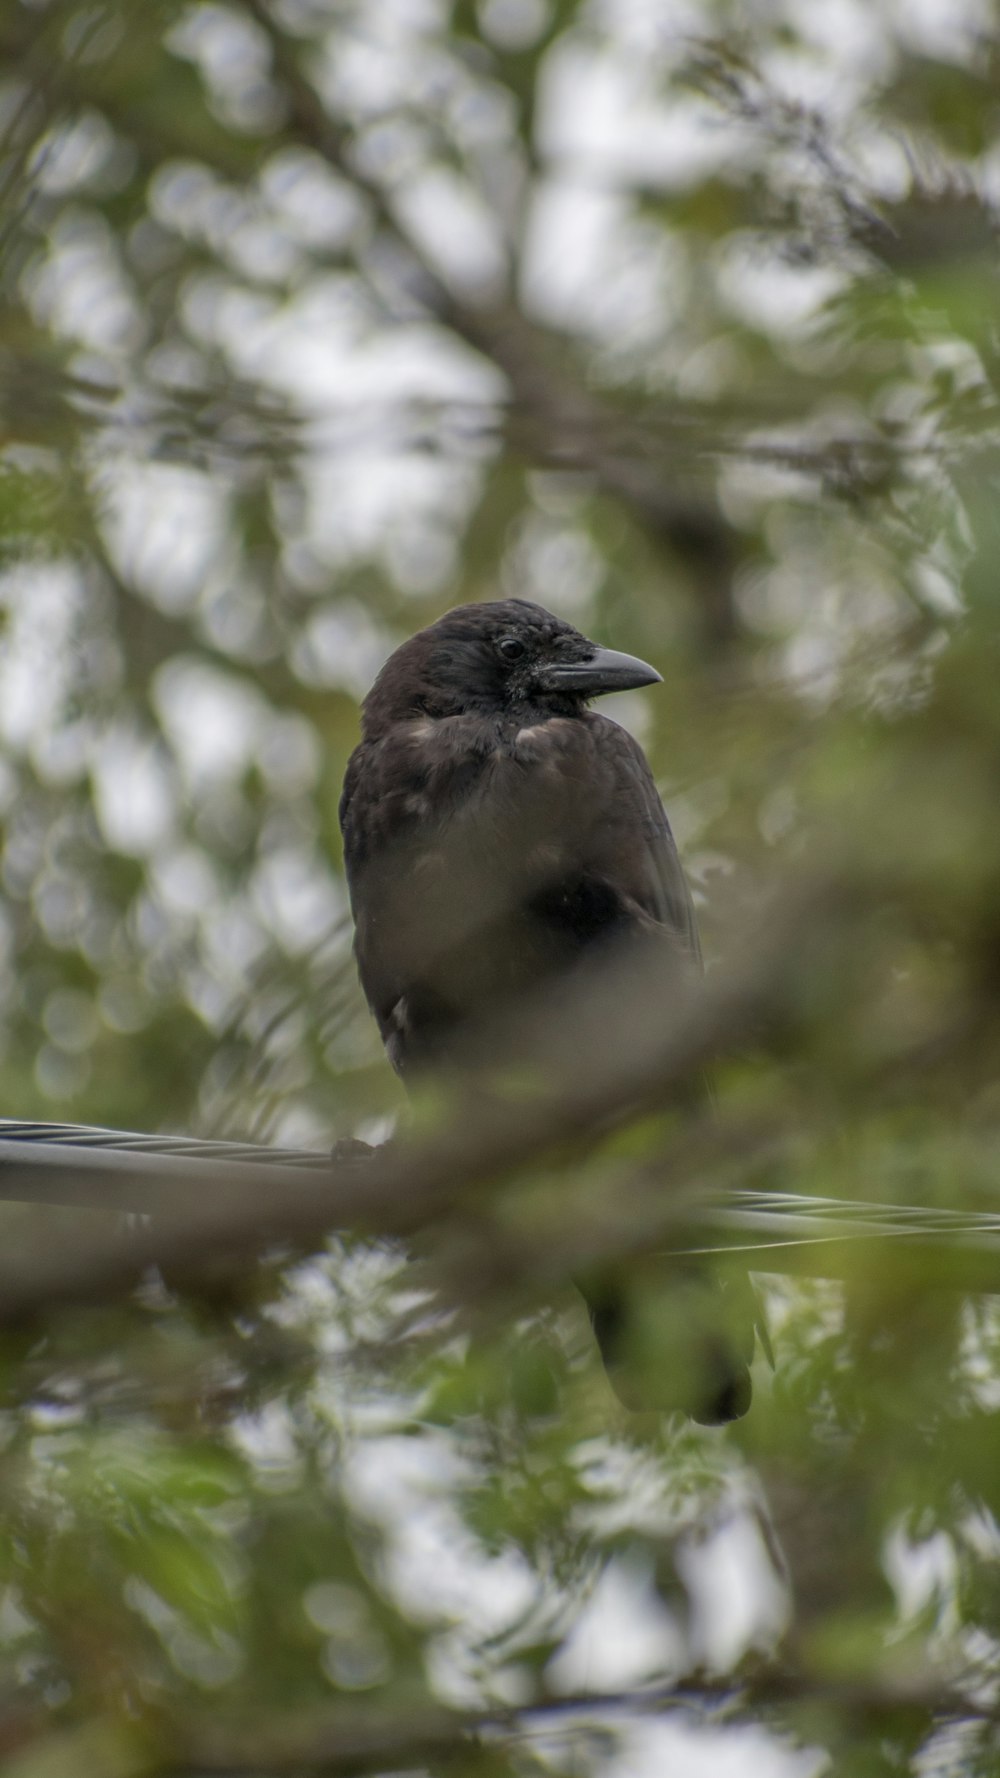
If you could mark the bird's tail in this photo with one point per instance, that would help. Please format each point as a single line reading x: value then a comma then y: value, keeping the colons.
x: 678, y: 1337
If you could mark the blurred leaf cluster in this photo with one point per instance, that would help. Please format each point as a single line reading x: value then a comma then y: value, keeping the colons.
x: 317, y: 317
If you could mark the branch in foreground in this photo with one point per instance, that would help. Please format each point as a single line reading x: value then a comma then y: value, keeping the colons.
x: 354, y: 1741
x: 591, y: 1079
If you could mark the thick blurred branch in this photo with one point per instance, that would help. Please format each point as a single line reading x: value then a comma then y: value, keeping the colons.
x: 626, y: 1040
x: 362, y: 1740
x: 619, y: 1043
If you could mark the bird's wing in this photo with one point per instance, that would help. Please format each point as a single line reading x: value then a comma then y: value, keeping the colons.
x: 645, y: 850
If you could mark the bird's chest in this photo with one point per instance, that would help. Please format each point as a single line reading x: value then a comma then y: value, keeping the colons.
x: 498, y: 783
x: 460, y: 815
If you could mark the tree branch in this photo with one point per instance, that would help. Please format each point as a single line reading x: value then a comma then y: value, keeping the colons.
x: 586, y: 1065
x: 352, y: 1740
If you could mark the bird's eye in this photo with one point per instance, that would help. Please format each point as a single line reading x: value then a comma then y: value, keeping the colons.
x: 511, y: 648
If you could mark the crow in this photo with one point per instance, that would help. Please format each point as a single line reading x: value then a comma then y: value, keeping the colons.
x: 498, y: 834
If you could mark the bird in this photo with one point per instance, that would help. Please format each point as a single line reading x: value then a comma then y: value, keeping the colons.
x: 499, y: 835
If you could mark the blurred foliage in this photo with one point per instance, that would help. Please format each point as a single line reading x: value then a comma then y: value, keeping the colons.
x: 317, y: 316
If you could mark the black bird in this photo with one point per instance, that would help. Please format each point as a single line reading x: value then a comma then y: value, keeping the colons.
x: 498, y: 833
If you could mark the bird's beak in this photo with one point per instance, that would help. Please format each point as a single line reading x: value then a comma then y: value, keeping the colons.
x: 604, y: 670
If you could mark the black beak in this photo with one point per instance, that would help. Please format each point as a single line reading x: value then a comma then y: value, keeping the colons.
x: 603, y: 670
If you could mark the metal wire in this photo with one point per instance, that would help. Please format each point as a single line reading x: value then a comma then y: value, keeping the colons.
x: 74, y: 1136
x: 120, y: 1170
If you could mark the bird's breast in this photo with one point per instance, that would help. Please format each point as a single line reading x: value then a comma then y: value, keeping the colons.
x: 546, y: 738
x: 503, y: 797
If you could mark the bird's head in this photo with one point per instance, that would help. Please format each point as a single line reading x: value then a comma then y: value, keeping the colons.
x: 494, y: 657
